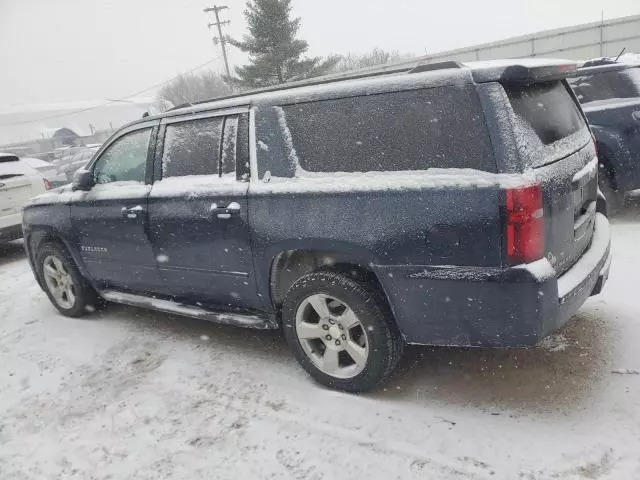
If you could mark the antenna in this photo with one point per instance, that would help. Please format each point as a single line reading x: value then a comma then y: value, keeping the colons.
x: 620, y: 54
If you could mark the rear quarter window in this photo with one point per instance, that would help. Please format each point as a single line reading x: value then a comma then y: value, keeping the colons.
x: 440, y: 127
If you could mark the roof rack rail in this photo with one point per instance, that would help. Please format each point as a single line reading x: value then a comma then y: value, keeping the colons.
x: 428, y: 67
x: 405, y: 67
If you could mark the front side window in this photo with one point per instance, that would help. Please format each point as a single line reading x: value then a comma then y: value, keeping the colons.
x: 125, y: 159
x: 192, y: 148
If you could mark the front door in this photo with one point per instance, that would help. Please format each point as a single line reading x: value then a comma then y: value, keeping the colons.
x: 110, y: 221
x: 198, y: 210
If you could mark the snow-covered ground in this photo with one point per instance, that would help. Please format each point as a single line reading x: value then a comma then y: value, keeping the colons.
x: 135, y: 394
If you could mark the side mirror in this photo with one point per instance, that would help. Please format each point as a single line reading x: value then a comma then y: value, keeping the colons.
x: 82, y: 180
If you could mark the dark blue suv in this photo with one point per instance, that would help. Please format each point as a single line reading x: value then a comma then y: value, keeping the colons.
x: 610, y: 95
x: 443, y: 205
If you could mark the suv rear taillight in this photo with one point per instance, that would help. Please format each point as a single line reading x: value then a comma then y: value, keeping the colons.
x: 47, y: 184
x: 525, y: 224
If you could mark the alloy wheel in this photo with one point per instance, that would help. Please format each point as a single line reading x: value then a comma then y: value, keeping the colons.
x: 59, y: 282
x: 332, y: 336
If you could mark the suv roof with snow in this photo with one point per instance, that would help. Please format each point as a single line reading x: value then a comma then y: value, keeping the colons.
x: 402, y: 76
x: 441, y: 204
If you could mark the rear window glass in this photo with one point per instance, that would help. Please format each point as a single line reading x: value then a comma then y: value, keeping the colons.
x: 409, y: 130
x: 607, y: 85
x: 548, y: 108
x: 192, y: 148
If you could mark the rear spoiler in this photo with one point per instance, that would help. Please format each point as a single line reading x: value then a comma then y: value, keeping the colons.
x: 525, y: 71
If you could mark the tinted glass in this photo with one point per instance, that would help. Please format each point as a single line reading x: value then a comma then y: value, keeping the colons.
x: 242, y: 148
x: 192, y: 148
x: 546, y: 107
x: 606, y: 85
x: 125, y: 159
x: 228, y: 160
x: 411, y: 130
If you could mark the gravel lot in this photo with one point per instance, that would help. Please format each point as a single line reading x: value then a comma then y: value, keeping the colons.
x: 127, y: 393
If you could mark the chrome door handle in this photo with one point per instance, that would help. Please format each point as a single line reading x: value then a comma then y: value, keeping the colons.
x: 225, y: 212
x: 132, y: 212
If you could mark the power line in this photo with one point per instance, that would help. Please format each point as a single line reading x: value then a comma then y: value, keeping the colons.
x: 115, y: 100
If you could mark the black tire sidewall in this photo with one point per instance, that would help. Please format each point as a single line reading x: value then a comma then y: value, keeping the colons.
x: 382, y: 337
x: 83, y: 291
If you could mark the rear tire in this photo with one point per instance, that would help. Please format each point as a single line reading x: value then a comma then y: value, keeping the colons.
x: 66, y: 288
x: 341, y: 331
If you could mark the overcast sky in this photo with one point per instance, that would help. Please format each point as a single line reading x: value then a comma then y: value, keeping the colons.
x: 62, y: 50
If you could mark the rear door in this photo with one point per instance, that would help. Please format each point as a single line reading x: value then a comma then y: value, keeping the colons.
x: 110, y: 221
x: 198, y: 210
x: 555, y: 148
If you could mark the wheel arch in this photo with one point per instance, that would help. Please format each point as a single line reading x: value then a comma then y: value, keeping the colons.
x: 289, y: 265
x: 38, y: 236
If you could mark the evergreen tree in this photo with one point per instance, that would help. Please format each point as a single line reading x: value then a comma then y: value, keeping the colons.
x: 275, y: 54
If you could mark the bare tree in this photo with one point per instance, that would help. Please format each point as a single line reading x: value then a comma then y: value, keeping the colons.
x: 375, y: 57
x: 189, y: 88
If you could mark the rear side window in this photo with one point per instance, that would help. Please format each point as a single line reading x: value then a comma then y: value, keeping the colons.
x: 547, y: 108
x: 192, y: 148
x: 229, y: 141
x: 440, y: 127
x: 607, y: 85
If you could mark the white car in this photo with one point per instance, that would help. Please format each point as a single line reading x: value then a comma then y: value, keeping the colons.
x: 46, y: 169
x: 19, y: 183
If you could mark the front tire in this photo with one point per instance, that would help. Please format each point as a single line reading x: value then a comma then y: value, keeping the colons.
x: 341, y: 331
x: 69, y: 292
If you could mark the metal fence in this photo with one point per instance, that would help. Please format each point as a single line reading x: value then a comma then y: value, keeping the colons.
x: 580, y: 42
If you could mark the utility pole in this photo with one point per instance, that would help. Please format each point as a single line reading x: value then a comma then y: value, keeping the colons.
x: 216, y: 9
x: 602, y: 33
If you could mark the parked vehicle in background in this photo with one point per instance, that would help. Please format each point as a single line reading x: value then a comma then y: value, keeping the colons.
x: 19, y: 183
x: 78, y: 160
x: 46, y: 169
x: 445, y: 205
x: 71, y: 160
x: 610, y: 95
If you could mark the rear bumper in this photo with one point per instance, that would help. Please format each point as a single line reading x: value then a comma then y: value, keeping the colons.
x: 501, y: 307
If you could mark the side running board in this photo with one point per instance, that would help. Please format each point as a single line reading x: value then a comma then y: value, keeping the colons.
x: 263, y: 322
